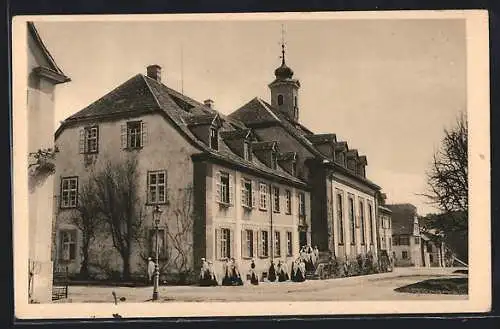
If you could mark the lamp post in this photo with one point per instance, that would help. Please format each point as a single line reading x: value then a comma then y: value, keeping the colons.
x: 156, y: 218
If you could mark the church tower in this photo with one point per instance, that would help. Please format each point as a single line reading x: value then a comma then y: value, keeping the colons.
x: 285, y: 89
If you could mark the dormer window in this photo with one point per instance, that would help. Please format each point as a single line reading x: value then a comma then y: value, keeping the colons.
x: 214, y: 138
x: 246, y: 151
x: 280, y: 100
x: 274, y: 160
x: 294, y: 168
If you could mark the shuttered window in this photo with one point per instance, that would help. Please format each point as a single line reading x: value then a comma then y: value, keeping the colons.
x: 289, y: 244
x: 277, y: 244
x: 263, y: 196
x: 276, y: 199
x: 246, y: 193
x: 264, y: 244
x: 288, y: 202
x: 224, y: 188
x: 224, y: 243
x: 362, y: 221
x: 247, y: 243
x: 134, y: 135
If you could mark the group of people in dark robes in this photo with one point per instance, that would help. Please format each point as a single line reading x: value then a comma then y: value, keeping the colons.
x: 232, y: 276
x: 306, y: 262
x: 207, y: 274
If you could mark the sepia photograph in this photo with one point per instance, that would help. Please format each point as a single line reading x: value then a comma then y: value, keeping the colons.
x: 251, y: 164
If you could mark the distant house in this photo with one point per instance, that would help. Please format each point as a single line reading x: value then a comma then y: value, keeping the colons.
x: 43, y: 76
x: 406, y: 239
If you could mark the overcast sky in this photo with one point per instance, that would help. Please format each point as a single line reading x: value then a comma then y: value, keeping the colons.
x: 387, y: 87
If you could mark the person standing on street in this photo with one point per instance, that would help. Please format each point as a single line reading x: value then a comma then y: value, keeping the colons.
x: 151, y: 270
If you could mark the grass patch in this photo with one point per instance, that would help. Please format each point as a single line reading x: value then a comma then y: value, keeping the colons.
x: 449, y: 286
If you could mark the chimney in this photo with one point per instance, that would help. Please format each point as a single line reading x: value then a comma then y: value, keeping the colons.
x: 154, y: 72
x: 209, y: 103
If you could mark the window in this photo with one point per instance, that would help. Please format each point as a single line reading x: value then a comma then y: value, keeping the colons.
x: 157, y: 182
x: 404, y: 254
x: 248, y: 243
x: 134, y: 134
x: 263, y: 196
x: 289, y: 244
x: 395, y: 242
x: 69, y: 192
x: 225, y: 243
x: 274, y: 160
x: 280, y: 100
x: 224, y: 188
x: 295, y: 103
x: 264, y: 240
x: 89, y: 140
x: 277, y: 244
x: 68, y: 245
x: 302, y: 204
x: 246, y: 196
x: 417, y: 240
x: 162, y: 250
x: 362, y: 221
x: 276, y: 199
x: 214, y: 138
x: 246, y: 151
x: 288, y: 201
x: 351, y: 220
x: 340, y: 217
x: 294, y: 169
x: 404, y: 240
x: 370, y: 224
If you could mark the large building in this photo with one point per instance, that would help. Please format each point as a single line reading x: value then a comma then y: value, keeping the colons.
x: 43, y: 76
x: 384, y: 226
x: 263, y: 184
x: 406, y: 239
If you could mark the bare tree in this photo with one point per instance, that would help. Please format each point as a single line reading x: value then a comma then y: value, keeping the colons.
x: 179, y: 229
x: 447, y: 178
x: 119, y: 203
x: 88, y: 222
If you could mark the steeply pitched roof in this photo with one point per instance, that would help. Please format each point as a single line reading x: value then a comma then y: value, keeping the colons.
x: 321, y: 138
x: 53, y: 68
x: 142, y: 95
x: 258, y: 112
x: 403, y: 218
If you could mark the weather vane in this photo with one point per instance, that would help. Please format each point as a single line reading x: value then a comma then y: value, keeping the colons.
x: 282, y: 44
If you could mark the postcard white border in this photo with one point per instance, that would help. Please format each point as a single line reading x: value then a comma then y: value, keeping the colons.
x: 479, y: 187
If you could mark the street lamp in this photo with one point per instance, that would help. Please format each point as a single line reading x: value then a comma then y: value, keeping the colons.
x: 156, y: 218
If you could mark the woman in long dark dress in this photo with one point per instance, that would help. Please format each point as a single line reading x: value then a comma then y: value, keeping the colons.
x: 301, y: 272
x: 293, y: 270
x: 253, y: 277
x: 272, y: 273
x: 281, y: 272
x: 235, y: 274
x: 226, y: 280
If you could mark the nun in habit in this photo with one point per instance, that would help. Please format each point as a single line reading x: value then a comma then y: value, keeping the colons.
x: 253, y: 276
x: 272, y: 273
x: 226, y: 281
x: 281, y: 272
x: 204, y: 273
x: 212, y: 278
x: 301, y: 272
x: 235, y: 274
x: 293, y: 270
x: 284, y: 268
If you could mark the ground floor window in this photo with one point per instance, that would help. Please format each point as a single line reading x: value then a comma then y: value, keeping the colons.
x: 404, y: 254
x: 289, y: 244
x: 277, y: 244
x: 248, y: 243
x: 264, y: 244
x: 223, y: 240
x: 67, y: 245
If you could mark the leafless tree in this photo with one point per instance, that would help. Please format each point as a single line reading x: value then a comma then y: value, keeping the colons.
x: 179, y: 229
x: 118, y: 200
x: 447, y: 179
x: 89, y: 220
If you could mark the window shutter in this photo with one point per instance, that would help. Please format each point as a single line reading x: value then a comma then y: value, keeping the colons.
x: 97, y: 139
x: 243, y: 244
x: 144, y: 133
x: 232, y: 243
x: 254, y: 197
x: 259, y: 244
x: 255, y: 242
x: 82, y: 141
x: 242, y: 192
x: 218, y: 244
x: 231, y: 190
x: 123, y: 132
x: 217, y: 186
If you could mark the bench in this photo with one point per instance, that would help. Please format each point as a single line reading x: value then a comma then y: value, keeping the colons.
x: 60, y: 282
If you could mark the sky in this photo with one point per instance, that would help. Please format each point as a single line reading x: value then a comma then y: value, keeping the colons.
x: 388, y: 87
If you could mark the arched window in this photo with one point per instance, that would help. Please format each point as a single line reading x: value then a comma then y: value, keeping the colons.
x: 280, y: 99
